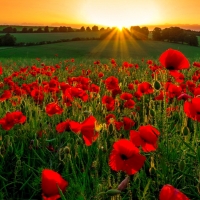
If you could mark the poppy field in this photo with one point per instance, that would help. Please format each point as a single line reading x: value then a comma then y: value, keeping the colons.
x: 100, y: 129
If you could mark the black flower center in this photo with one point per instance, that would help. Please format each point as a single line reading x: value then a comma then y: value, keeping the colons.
x: 198, y: 113
x: 170, y: 67
x: 123, y: 157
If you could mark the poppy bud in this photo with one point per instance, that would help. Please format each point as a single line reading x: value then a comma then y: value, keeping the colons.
x: 66, y: 149
x: 152, y: 113
x: 123, y: 184
x: 157, y: 85
x: 186, y: 130
x: 113, y: 192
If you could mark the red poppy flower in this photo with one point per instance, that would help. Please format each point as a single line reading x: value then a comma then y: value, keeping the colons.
x: 113, y: 61
x: 118, y: 125
x: 6, y: 95
x: 109, y: 117
x: 11, y: 119
x: 192, y: 109
x: 131, y: 86
x: 129, y: 104
x: 37, y: 95
x: 109, y: 102
x: 146, y: 137
x: 128, y: 123
x: 78, y: 93
x: 190, y: 85
x: 173, y: 90
x: 94, y: 88
x: 63, y: 126
x: 174, y: 60
x: 195, y: 78
x: 100, y: 75
x: 196, y: 64
x: 116, y: 91
x: 145, y: 88
x: 51, y: 180
x: 53, y: 85
x: 88, y: 130
x: 1, y: 70
x: 53, y: 108
x: 126, y: 96
x: 75, y: 127
x: 168, y: 192
x: 111, y: 83
x: 97, y: 62
x: 125, y: 156
x: 197, y: 91
x: 179, y: 77
x: 160, y: 96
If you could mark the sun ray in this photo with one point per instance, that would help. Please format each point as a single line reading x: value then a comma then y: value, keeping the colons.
x: 103, y: 44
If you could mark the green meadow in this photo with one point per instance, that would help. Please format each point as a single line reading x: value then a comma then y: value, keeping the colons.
x: 98, y: 49
x: 39, y: 37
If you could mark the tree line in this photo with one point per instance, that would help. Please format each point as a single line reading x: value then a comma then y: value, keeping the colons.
x: 47, y: 29
x: 177, y: 35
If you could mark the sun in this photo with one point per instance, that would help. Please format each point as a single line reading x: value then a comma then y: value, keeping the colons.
x: 120, y: 27
x: 122, y: 14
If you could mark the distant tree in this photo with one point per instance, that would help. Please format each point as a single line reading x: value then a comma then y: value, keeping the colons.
x: 30, y: 30
x: 24, y: 30
x: 7, y: 40
x: 156, y: 34
x: 139, y: 33
x: 193, y: 40
x: 145, y: 32
x: 102, y: 29
x: 55, y: 29
x: 8, y: 29
x: 62, y: 29
x: 70, y: 29
x: 39, y: 30
x: 95, y: 28
x: 14, y: 30
x: 174, y: 34
x: 46, y: 29
x: 165, y: 34
x: 82, y: 28
x: 88, y: 29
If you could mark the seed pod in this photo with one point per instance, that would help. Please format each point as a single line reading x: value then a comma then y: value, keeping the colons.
x: 123, y: 184
x: 157, y: 85
x: 113, y: 192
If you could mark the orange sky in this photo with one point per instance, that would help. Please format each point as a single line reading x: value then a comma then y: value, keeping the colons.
x: 99, y: 12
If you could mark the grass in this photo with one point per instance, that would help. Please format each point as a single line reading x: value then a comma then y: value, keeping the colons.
x: 24, y: 155
x: 95, y: 49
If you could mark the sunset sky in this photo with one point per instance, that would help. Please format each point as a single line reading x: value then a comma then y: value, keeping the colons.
x: 99, y: 12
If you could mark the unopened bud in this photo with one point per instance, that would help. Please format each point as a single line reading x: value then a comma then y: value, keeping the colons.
x: 123, y: 184
x: 113, y: 192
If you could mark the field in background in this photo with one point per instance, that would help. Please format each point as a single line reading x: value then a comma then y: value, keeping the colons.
x: 96, y: 49
x: 39, y: 37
